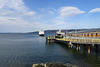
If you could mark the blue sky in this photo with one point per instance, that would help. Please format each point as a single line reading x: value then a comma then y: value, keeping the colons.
x: 34, y: 15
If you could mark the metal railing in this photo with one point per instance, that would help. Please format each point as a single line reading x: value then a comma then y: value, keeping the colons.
x: 80, y: 40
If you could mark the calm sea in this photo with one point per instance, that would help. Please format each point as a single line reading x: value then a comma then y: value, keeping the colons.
x: 23, y: 50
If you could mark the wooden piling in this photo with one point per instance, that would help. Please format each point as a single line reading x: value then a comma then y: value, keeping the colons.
x: 46, y: 39
x: 70, y: 44
x: 77, y: 47
x: 92, y: 45
x: 88, y: 49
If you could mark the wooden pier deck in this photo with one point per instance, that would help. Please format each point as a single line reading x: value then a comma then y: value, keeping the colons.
x: 80, y: 40
x: 74, y: 40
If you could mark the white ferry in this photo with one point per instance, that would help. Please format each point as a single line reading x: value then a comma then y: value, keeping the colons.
x: 60, y: 33
x: 41, y: 33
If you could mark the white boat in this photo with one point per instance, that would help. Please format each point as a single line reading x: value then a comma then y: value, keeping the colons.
x: 41, y: 33
x: 60, y: 33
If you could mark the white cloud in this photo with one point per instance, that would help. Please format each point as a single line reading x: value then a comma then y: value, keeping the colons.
x: 59, y: 22
x: 11, y: 24
x: 30, y: 13
x: 95, y: 10
x: 69, y: 11
x: 63, y: 13
x: 13, y: 4
x: 48, y: 10
x: 14, y: 8
x: 12, y: 17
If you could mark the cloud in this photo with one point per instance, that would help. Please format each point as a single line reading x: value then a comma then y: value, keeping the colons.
x: 11, y: 24
x: 14, y: 8
x: 95, y: 10
x: 49, y: 10
x: 69, y: 11
x: 63, y: 13
x: 16, y: 13
x: 59, y: 22
x: 13, y: 15
x: 13, y: 4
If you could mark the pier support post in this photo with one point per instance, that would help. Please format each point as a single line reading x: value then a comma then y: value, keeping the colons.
x: 70, y: 44
x: 46, y: 39
x: 97, y: 47
x: 92, y: 45
x: 77, y: 47
x: 88, y: 49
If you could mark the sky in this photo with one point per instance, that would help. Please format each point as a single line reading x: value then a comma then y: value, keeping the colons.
x: 34, y: 15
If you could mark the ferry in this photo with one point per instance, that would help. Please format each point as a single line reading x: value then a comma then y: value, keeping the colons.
x: 60, y: 33
x: 41, y: 33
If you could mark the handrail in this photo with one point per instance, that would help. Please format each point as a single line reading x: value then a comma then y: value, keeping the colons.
x: 80, y: 40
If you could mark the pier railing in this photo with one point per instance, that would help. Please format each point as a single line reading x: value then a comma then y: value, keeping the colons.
x: 81, y: 40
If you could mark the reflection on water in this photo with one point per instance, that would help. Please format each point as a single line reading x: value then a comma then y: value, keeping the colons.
x: 23, y: 50
x: 82, y: 58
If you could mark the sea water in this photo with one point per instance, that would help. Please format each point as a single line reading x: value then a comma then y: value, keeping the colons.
x: 24, y: 50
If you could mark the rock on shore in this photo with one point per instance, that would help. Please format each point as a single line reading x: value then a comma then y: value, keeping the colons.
x: 54, y: 65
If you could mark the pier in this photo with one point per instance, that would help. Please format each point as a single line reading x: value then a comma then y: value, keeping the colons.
x: 77, y: 41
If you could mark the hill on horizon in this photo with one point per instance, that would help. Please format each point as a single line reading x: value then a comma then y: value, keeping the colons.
x: 71, y: 30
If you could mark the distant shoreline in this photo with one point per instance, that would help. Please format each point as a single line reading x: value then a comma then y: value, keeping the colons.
x: 54, y: 31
